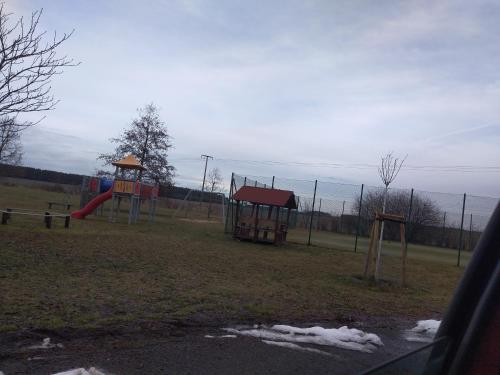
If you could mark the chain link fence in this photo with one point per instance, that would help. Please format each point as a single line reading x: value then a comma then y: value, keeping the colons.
x: 440, y: 226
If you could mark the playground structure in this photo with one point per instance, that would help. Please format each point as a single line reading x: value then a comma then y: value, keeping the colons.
x: 264, y: 222
x: 125, y: 185
x: 92, y: 187
x: 371, y: 255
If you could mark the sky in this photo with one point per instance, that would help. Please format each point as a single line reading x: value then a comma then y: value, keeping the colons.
x: 325, y: 88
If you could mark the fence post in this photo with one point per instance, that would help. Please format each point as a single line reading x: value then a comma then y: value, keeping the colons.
x: 407, y: 239
x: 319, y: 215
x: 470, y: 233
x: 245, y: 181
x: 359, y: 218
x: 229, y: 203
x: 444, y: 229
x: 66, y: 221
x: 48, y: 220
x: 312, y: 213
x: 272, y: 184
x: 461, y: 232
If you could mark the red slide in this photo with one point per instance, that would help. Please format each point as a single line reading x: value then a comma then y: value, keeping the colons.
x: 92, y: 205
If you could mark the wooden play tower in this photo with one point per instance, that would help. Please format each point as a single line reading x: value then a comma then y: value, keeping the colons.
x: 130, y: 187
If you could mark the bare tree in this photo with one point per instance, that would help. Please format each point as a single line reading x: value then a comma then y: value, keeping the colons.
x: 148, y: 140
x: 10, y: 142
x: 214, y: 182
x: 28, y: 61
x: 424, y: 213
x: 388, y: 171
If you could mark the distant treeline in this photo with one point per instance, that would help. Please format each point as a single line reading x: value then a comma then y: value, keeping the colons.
x: 28, y: 173
x: 177, y: 192
x: 40, y: 175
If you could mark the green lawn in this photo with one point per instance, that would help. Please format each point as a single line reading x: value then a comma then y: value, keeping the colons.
x: 99, y: 274
x: 346, y: 242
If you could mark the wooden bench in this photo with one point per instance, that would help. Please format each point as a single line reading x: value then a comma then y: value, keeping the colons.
x: 47, y: 216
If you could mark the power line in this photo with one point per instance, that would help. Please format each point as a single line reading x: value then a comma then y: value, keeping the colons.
x: 428, y: 168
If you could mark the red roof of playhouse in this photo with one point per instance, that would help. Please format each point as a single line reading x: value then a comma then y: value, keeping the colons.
x: 269, y: 197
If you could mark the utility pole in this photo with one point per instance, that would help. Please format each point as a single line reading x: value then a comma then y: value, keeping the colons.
x: 204, y: 175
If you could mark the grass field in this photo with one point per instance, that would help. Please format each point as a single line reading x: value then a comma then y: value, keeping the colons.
x: 98, y: 274
x: 346, y: 242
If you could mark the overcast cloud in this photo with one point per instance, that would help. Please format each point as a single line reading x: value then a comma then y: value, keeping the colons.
x: 308, y: 81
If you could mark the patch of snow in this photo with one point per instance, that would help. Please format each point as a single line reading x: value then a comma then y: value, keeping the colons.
x: 46, y: 344
x: 220, y: 337
x: 81, y: 371
x: 343, y: 337
x: 290, y: 345
x: 424, y: 331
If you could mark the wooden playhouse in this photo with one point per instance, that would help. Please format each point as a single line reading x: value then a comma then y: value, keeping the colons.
x: 262, y: 214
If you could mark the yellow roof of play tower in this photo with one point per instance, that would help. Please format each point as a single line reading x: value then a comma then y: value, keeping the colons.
x: 130, y: 162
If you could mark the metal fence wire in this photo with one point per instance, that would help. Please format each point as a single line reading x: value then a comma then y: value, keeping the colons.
x: 337, y: 215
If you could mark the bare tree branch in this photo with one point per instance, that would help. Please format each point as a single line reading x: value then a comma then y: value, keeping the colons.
x: 28, y: 61
x: 389, y: 168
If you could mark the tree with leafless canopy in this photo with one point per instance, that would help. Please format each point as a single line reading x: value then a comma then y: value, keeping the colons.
x: 28, y: 61
x: 215, y: 184
x: 388, y: 171
x: 148, y: 140
x: 10, y: 143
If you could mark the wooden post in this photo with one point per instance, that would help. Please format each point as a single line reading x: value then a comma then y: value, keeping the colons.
x: 374, y: 245
x: 66, y: 221
x: 236, y: 217
x: 287, y: 222
x: 369, y: 251
x: 277, y: 235
x: 256, y: 224
x: 48, y: 220
x: 5, y: 217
